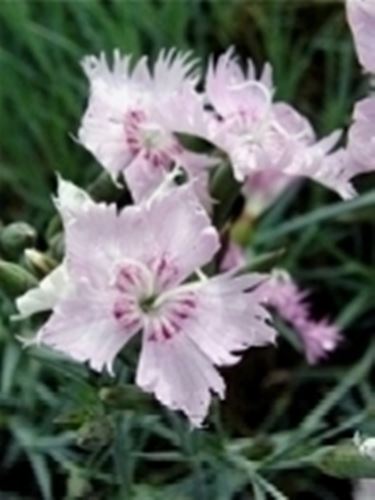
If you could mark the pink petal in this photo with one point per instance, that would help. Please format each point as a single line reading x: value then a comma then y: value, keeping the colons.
x: 361, y: 136
x: 83, y: 327
x: 182, y: 230
x: 180, y: 376
x: 143, y: 178
x: 361, y: 18
x: 229, y: 318
x: 293, y: 122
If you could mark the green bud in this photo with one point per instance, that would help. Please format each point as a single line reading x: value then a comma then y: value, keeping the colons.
x: 15, y: 237
x: 15, y: 280
x: 39, y: 261
x: 54, y: 226
x: 346, y: 462
x: 57, y: 246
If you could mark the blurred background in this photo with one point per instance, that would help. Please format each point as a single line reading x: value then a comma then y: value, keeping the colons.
x: 43, y: 404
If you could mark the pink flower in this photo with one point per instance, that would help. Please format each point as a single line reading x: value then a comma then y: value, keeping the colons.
x: 261, y: 135
x: 361, y: 18
x: 127, y: 273
x: 282, y: 294
x: 122, y: 125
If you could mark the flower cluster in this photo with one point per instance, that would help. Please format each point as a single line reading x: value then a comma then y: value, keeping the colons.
x: 138, y: 268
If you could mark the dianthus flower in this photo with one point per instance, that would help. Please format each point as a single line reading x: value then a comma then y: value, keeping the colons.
x: 261, y: 135
x: 122, y: 127
x: 130, y: 272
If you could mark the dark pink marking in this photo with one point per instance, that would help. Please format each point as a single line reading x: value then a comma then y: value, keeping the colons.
x: 189, y: 302
x: 167, y: 334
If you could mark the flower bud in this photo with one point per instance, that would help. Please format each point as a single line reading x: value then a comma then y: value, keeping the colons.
x: 57, y: 246
x: 15, y: 280
x: 15, y: 237
x: 346, y: 461
x: 54, y: 226
x: 39, y: 261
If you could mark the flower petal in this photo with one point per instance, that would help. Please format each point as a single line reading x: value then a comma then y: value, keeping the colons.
x: 84, y: 328
x: 361, y: 136
x: 71, y: 200
x: 180, y: 376
x: 229, y: 318
x: 182, y: 230
x: 143, y: 178
x: 361, y: 18
x: 46, y: 295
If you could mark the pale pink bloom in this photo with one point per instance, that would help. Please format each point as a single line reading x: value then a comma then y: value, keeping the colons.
x: 122, y: 125
x: 364, y: 489
x: 127, y: 273
x: 319, y: 338
x: 259, y: 134
x: 361, y: 18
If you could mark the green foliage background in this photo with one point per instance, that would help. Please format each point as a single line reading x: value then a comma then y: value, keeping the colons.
x: 69, y: 434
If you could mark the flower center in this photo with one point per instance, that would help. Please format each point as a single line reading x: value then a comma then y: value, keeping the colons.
x: 144, y: 297
x: 134, y: 286
x: 142, y: 136
x: 146, y: 304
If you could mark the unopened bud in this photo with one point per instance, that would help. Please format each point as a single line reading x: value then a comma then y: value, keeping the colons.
x: 346, y: 461
x: 39, y: 261
x: 14, y: 279
x: 54, y: 226
x: 15, y: 237
x: 57, y: 246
